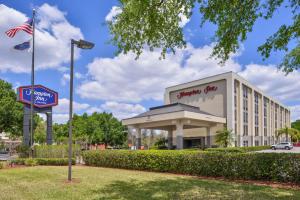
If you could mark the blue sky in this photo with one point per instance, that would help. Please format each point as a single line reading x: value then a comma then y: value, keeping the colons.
x: 119, y: 84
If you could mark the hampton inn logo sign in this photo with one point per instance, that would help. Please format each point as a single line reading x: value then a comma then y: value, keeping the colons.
x: 43, y: 97
x: 206, y: 90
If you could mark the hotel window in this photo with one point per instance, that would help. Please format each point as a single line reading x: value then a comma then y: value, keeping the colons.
x: 266, y: 102
x: 286, y: 117
x: 235, y: 107
x: 245, y: 143
x: 265, y: 142
x: 256, y: 143
x: 276, y: 116
x: 272, y: 110
x: 281, y: 117
x: 256, y: 113
x: 245, y: 110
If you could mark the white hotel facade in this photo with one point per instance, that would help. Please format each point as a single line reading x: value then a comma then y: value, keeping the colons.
x: 194, y: 111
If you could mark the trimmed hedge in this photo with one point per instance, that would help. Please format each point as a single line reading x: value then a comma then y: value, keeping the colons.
x: 238, y: 149
x: 55, y: 151
x: 255, y: 166
x: 42, y: 161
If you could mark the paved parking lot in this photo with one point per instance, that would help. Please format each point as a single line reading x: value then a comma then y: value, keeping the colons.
x: 294, y: 150
x: 4, y: 157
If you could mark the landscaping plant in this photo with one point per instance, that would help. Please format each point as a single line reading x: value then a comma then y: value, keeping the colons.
x: 283, y: 167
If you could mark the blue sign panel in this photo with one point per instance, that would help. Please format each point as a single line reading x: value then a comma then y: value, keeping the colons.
x: 43, y: 97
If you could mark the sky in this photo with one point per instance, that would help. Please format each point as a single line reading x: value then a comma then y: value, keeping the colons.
x: 105, y: 81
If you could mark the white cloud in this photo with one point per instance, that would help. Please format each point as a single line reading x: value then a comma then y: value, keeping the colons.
x: 123, y: 78
x: 183, y: 20
x: 78, y: 75
x: 115, y: 10
x: 274, y: 82
x: 63, y: 106
x: 52, y: 40
x: 60, y: 112
x: 94, y: 109
x: 60, y: 118
x: 295, y: 112
x: 119, y: 110
x: 66, y: 77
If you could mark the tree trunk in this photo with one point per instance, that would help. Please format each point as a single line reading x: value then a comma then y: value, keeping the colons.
x: 151, y: 139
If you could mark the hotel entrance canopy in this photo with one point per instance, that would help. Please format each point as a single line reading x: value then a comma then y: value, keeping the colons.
x: 173, y: 117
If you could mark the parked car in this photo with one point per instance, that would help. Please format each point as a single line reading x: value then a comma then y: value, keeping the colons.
x: 282, y: 145
x: 3, y: 151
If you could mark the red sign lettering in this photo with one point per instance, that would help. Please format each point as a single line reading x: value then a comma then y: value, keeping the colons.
x: 210, y: 88
x: 206, y: 90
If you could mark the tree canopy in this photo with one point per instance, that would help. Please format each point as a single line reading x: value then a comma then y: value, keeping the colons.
x: 224, y: 137
x: 11, y: 111
x: 296, y: 125
x: 293, y: 133
x: 157, y: 24
x: 99, y: 128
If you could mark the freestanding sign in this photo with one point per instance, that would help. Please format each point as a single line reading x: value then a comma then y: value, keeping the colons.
x: 43, y: 97
x: 44, y: 100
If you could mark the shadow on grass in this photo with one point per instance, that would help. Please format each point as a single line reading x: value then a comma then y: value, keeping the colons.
x: 182, y: 188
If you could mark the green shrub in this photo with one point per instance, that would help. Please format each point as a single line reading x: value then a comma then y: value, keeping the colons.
x: 30, y: 162
x: 1, y: 165
x: 18, y: 161
x: 43, y: 161
x: 251, y: 166
x: 55, y: 151
x: 238, y: 149
x: 54, y: 161
x: 23, y: 151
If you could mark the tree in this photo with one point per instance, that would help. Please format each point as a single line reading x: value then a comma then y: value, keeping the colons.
x: 39, y: 130
x: 156, y: 24
x: 99, y: 128
x: 294, y: 133
x: 113, y: 130
x: 161, y: 143
x: 11, y: 111
x: 60, y: 133
x: 296, y: 125
x: 224, y: 137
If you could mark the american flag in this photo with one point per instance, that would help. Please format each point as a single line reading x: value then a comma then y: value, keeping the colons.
x: 27, y: 27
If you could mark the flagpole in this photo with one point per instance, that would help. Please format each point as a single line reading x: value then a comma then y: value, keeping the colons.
x: 32, y: 83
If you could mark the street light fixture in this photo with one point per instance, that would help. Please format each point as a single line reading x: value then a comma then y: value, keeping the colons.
x: 82, y: 44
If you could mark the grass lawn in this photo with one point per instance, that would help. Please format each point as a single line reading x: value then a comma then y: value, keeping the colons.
x: 102, y: 183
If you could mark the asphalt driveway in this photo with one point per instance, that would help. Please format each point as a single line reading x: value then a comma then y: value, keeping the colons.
x: 293, y: 150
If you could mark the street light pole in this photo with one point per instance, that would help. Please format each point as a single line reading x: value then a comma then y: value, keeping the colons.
x: 82, y: 45
x: 71, y: 111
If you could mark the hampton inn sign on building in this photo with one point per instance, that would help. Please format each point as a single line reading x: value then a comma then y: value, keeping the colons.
x: 194, y: 111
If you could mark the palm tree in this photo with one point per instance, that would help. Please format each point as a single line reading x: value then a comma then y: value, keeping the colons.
x: 224, y: 137
x: 293, y: 133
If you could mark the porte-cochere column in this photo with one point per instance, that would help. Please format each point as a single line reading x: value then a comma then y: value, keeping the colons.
x: 179, y: 135
x: 138, y: 138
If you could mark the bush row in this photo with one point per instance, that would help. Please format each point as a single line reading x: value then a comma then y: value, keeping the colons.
x: 255, y: 166
x: 55, y: 151
x: 42, y: 161
x: 1, y: 165
x: 238, y: 149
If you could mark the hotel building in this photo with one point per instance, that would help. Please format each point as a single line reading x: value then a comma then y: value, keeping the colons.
x: 195, y: 111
